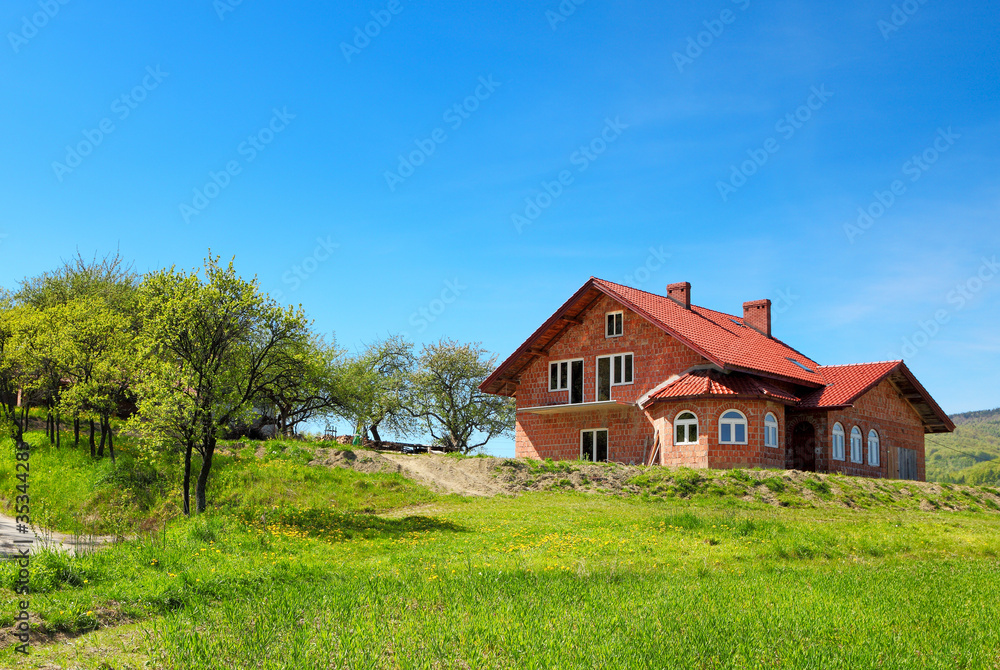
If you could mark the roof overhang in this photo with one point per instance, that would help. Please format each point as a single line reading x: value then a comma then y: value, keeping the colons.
x: 570, y: 408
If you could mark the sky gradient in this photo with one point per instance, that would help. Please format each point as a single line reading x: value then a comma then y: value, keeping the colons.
x: 460, y: 170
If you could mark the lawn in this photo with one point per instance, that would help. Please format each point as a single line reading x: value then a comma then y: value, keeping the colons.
x: 290, y: 571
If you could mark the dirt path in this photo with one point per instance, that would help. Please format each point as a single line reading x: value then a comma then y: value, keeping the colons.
x: 466, y: 476
x: 12, y: 542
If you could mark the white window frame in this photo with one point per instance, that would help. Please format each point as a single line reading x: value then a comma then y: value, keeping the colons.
x: 874, y: 448
x: 857, y: 445
x: 593, y: 455
x: 611, y: 372
x: 732, y: 423
x: 678, y: 421
x: 569, y: 376
x: 839, y: 453
x: 771, y: 428
x: 614, y: 314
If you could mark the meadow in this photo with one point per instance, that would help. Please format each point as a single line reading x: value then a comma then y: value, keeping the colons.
x: 302, y: 567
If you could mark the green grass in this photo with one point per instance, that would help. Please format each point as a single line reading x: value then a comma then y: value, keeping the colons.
x: 281, y: 578
x: 970, y: 455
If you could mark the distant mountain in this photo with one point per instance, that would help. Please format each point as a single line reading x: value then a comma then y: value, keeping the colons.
x: 970, y: 455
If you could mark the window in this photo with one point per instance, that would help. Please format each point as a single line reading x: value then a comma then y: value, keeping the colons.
x: 594, y: 445
x: 614, y: 327
x: 838, y: 442
x: 567, y: 376
x: 874, y: 456
x: 613, y: 371
x: 770, y: 431
x: 733, y: 428
x: 686, y: 428
x: 857, y: 450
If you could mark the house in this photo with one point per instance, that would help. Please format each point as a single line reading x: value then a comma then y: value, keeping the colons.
x: 619, y: 374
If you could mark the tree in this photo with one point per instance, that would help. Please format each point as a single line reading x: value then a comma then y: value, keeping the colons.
x: 444, y: 394
x: 221, y: 342
x: 375, y: 385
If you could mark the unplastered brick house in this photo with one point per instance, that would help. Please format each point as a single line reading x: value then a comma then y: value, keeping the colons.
x: 619, y: 374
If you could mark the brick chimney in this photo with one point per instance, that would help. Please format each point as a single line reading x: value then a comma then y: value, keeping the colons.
x: 680, y: 293
x: 757, y: 315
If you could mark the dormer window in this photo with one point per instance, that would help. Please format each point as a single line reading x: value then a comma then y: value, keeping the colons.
x: 614, y: 324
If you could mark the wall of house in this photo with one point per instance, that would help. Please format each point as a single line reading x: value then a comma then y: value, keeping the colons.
x: 709, y: 453
x: 656, y: 356
x: 881, y: 409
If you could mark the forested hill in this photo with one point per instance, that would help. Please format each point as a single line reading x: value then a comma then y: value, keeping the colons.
x: 970, y: 455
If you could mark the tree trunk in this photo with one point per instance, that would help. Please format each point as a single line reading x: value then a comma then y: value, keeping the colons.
x: 76, y: 431
x: 187, y: 477
x: 93, y: 447
x: 376, y: 437
x: 104, y: 436
x: 206, y: 467
x: 58, y: 433
x: 111, y: 441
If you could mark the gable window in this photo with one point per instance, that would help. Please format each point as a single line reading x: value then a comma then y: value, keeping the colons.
x: 613, y: 371
x: 874, y: 455
x: 614, y: 324
x: 567, y: 376
x: 733, y: 428
x: 594, y: 445
x: 838, y: 442
x: 770, y: 431
x: 857, y: 450
x: 686, y: 428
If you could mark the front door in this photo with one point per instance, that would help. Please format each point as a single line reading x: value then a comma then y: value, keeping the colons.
x: 804, y: 447
x: 576, y: 382
x: 907, y: 463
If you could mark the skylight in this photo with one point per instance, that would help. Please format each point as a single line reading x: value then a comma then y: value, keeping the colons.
x: 799, y: 364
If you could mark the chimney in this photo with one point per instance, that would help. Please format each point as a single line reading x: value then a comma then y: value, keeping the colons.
x: 680, y: 293
x: 757, y: 315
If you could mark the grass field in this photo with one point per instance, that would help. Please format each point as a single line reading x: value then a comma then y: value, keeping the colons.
x: 291, y: 571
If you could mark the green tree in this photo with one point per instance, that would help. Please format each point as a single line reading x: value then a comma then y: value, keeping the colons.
x: 375, y: 384
x: 224, y: 342
x: 444, y: 395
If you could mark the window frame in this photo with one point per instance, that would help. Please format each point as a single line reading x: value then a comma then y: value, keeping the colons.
x: 767, y: 431
x: 877, y: 461
x: 855, y: 430
x: 569, y: 376
x: 611, y: 373
x: 843, y: 442
x: 607, y: 438
x: 618, y: 322
x: 733, y: 423
x: 687, y: 423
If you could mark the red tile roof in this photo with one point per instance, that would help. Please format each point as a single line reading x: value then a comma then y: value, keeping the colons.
x: 714, y: 383
x: 846, y: 383
x: 721, y: 338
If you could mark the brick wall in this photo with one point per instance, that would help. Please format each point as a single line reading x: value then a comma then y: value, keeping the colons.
x: 881, y: 409
x: 656, y: 356
x: 709, y: 453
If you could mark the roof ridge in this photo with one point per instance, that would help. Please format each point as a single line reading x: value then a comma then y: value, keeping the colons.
x: 856, y: 365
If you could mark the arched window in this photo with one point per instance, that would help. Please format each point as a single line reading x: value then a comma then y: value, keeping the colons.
x: 857, y: 448
x: 733, y: 428
x: 770, y: 431
x: 686, y: 428
x: 874, y: 455
x: 838, y: 442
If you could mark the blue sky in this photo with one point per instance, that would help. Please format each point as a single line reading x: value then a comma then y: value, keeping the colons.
x: 729, y: 144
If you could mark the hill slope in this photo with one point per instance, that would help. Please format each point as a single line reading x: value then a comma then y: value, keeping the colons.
x: 969, y: 455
